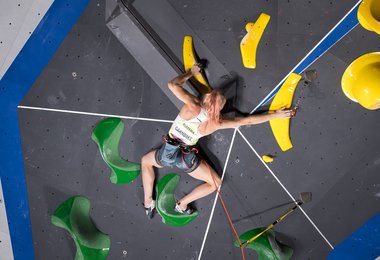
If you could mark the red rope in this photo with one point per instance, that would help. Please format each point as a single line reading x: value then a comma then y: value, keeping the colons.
x: 226, y: 211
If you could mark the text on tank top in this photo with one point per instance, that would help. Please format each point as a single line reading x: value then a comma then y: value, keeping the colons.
x: 188, y: 130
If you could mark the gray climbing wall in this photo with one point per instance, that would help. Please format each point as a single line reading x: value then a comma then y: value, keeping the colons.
x: 335, y: 154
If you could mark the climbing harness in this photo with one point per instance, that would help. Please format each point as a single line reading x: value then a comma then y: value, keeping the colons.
x: 186, y: 149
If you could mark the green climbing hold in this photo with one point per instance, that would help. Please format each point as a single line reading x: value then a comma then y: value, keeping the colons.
x: 74, y: 216
x: 266, y: 245
x: 107, y: 134
x: 166, y: 202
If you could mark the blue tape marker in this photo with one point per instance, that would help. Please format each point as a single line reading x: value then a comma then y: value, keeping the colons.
x: 20, y: 76
x: 363, y: 244
x: 338, y: 32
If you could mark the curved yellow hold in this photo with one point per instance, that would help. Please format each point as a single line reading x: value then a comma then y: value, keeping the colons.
x: 369, y: 15
x: 248, y: 44
x: 283, y: 98
x: 189, y: 59
x: 267, y: 158
x: 361, y: 81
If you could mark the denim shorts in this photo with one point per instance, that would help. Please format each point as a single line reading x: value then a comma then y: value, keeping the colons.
x: 172, y: 155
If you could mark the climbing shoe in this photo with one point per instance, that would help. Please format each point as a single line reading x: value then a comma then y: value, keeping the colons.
x: 187, y: 211
x: 150, y: 210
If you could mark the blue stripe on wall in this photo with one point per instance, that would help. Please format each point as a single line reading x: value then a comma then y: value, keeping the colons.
x: 23, y: 72
x: 40, y: 47
x: 339, y: 32
x: 363, y: 244
x: 344, y: 26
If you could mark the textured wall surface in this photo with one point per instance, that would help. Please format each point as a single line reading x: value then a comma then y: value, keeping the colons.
x: 335, y: 153
x: 17, y: 22
x: 14, y: 85
x: 5, y: 244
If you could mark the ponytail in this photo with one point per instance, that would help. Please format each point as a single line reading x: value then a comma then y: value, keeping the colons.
x: 212, y: 102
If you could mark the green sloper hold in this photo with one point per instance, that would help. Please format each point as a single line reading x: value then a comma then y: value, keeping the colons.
x: 165, y: 202
x: 74, y: 216
x: 107, y: 134
x: 266, y: 245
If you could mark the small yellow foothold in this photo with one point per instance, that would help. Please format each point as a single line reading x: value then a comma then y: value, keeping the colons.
x: 248, y: 44
x: 267, y: 158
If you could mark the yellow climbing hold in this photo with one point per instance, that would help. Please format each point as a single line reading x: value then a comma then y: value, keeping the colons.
x: 189, y: 59
x: 361, y: 81
x: 248, y: 44
x: 283, y: 98
x: 369, y: 15
x: 267, y: 158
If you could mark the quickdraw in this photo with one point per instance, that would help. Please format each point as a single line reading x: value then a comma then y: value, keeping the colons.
x: 309, y: 76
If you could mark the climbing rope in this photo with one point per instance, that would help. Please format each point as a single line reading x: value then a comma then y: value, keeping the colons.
x: 226, y: 211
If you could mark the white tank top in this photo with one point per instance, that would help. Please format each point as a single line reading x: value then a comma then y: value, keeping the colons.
x: 187, y: 130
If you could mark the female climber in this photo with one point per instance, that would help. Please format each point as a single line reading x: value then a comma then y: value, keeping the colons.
x: 197, y: 118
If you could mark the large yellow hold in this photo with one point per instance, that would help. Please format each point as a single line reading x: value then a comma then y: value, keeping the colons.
x: 248, y: 45
x: 369, y: 15
x: 284, y: 98
x: 361, y: 81
x: 189, y: 59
